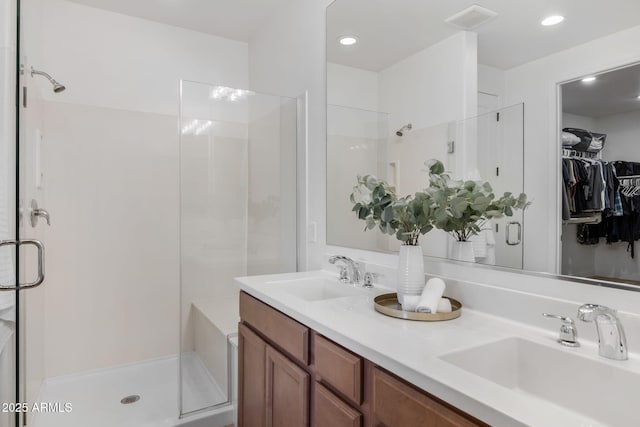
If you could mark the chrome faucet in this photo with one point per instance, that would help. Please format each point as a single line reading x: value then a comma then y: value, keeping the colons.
x: 568, y: 332
x: 350, y: 273
x: 611, y: 338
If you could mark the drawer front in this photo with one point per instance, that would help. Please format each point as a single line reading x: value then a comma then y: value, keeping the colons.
x: 285, y: 332
x: 397, y: 404
x: 338, y: 367
x: 330, y: 411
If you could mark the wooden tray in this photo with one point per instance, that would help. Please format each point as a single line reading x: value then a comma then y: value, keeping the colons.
x: 388, y: 304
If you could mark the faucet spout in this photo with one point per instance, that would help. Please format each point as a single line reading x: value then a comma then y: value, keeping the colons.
x: 353, y: 270
x: 612, y: 340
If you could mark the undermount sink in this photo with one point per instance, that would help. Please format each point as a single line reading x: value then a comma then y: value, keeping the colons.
x: 317, y: 288
x: 598, y: 390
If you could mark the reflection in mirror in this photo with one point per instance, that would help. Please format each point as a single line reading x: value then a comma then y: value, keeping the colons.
x: 416, y: 65
x: 388, y: 112
x: 359, y: 142
x: 601, y: 176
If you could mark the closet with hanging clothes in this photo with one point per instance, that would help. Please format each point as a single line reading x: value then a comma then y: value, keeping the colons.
x: 600, y: 179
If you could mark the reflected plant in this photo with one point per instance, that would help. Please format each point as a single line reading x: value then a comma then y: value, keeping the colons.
x: 462, y: 208
x: 406, y: 218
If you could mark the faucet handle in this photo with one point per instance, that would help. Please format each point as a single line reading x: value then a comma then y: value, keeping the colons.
x: 368, y: 279
x: 568, y: 331
x: 343, y: 274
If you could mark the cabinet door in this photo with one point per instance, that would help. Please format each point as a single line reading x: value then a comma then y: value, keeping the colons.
x: 397, y: 404
x: 330, y: 411
x: 251, y: 378
x: 287, y: 392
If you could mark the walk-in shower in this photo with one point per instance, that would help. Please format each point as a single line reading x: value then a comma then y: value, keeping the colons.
x: 155, y: 213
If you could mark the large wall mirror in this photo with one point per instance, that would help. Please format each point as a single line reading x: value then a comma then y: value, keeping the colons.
x: 495, y: 79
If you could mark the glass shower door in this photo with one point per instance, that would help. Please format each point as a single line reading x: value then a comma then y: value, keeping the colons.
x: 237, y: 217
x: 8, y: 167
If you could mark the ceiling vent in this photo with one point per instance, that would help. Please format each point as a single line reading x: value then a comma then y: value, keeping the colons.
x: 471, y: 18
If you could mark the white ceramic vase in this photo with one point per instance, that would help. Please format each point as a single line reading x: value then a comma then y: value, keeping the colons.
x: 410, y: 271
x: 461, y: 251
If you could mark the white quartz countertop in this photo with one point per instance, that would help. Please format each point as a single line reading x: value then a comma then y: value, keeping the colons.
x: 412, y: 350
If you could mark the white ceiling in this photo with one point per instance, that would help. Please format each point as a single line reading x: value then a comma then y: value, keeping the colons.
x: 391, y: 30
x: 232, y: 19
x: 614, y: 92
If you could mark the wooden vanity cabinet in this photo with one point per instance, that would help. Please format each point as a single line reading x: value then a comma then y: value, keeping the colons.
x: 331, y: 411
x: 290, y: 376
x: 395, y: 403
x: 273, y: 391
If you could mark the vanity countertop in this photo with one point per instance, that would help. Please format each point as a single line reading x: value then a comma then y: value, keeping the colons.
x: 413, y: 350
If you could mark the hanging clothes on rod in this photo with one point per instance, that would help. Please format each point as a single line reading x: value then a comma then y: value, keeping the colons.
x: 621, y: 220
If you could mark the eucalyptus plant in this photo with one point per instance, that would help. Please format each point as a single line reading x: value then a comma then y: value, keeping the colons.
x: 462, y: 208
x: 406, y: 218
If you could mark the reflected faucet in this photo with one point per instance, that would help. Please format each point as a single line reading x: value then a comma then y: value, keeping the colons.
x: 611, y: 338
x: 351, y: 271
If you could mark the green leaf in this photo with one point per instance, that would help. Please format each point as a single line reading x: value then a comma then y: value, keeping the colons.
x: 363, y: 213
x: 435, y: 166
x: 387, y: 214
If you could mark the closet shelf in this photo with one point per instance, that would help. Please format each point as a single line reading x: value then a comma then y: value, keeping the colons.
x: 583, y: 220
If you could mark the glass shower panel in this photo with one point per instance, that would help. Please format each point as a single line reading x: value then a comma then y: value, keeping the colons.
x: 490, y: 147
x: 8, y: 348
x: 238, y: 217
x: 356, y: 144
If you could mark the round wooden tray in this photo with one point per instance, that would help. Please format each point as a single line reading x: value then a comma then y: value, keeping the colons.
x: 388, y: 304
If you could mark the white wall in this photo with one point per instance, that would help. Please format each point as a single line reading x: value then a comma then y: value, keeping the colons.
x: 579, y: 122
x: 287, y: 57
x: 432, y: 86
x: 352, y: 87
x: 535, y: 85
x: 111, y: 180
x: 623, y: 135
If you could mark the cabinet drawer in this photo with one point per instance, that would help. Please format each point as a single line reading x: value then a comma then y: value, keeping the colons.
x: 285, y: 332
x: 330, y: 411
x: 397, y: 404
x: 338, y: 367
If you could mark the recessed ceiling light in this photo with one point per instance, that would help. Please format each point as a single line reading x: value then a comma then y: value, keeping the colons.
x: 348, y: 40
x: 552, y: 20
x: 589, y: 79
x: 638, y: 96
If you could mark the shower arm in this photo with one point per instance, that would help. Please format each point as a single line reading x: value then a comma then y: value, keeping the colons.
x: 41, y: 73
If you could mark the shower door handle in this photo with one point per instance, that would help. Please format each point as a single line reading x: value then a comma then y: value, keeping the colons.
x: 507, y: 237
x: 38, y: 244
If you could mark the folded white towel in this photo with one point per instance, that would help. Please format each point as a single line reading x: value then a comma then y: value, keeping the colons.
x: 410, y: 302
x: 444, y: 306
x: 431, y: 295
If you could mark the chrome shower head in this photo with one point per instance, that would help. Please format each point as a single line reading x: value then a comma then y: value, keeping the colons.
x: 57, y: 87
x: 408, y: 126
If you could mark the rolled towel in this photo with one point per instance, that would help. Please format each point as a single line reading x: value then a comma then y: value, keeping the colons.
x: 431, y: 295
x: 410, y: 302
x: 444, y: 306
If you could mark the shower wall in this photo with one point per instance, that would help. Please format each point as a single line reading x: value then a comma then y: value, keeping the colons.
x: 110, y: 180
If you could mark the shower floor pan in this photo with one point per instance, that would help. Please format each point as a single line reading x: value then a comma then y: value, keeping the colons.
x: 95, y: 397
